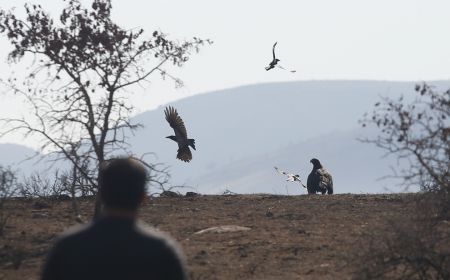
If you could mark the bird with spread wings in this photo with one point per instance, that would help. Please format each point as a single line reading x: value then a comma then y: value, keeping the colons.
x: 291, y: 177
x: 275, y: 61
x: 175, y: 121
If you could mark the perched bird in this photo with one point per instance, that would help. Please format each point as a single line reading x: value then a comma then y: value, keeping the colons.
x: 184, y: 153
x: 274, y: 61
x: 319, y: 180
x: 291, y: 177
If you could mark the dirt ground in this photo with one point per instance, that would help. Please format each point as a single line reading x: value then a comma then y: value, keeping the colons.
x: 290, y: 237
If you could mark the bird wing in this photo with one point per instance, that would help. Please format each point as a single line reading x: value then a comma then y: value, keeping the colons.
x: 273, y: 50
x: 296, y: 178
x: 280, y: 171
x: 290, y: 178
x: 175, y: 122
x: 281, y: 67
x: 184, y: 154
x: 313, y: 180
x: 325, y: 179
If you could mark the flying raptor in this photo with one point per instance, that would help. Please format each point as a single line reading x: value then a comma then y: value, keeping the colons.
x: 319, y: 180
x: 291, y: 177
x: 175, y: 121
x: 275, y: 61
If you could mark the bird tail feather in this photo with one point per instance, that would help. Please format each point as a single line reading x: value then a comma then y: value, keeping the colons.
x: 184, y: 154
x: 192, y: 143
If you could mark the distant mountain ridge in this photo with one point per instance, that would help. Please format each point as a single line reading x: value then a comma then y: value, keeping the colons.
x: 356, y: 167
x: 15, y: 156
x: 241, y: 133
x: 239, y: 124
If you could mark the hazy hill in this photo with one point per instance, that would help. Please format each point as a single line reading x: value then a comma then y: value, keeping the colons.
x: 15, y: 156
x: 241, y: 133
x: 356, y: 167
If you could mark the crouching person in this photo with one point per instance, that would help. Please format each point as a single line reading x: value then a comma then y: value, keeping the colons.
x: 115, y: 246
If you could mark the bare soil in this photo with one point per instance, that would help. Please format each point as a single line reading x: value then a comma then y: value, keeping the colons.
x: 290, y: 237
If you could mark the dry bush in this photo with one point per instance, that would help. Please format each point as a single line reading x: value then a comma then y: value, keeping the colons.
x: 8, y: 185
x: 418, y: 133
x: 49, y: 188
x: 412, y: 247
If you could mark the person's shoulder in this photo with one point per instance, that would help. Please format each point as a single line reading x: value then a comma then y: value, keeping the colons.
x: 72, y: 234
x: 151, y: 233
x: 157, y: 237
x: 76, y: 230
x: 171, y: 260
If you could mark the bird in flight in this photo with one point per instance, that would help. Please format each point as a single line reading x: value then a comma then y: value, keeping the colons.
x: 319, y: 180
x: 175, y: 121
x: 275, y: 61
x: 291, y: 177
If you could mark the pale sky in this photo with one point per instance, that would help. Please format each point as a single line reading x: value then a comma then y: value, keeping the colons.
x: 321, y: 39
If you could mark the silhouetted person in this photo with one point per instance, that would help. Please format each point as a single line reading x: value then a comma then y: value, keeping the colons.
x: 115, y: 246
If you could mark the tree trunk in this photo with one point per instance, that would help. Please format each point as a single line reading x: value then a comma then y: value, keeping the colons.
x: 75, y: 207
x: 98, y: 207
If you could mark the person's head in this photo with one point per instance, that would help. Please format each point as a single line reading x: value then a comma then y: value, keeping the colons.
x: 122, y: 183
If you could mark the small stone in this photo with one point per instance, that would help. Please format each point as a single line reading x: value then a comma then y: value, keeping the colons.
x: 223, y: 229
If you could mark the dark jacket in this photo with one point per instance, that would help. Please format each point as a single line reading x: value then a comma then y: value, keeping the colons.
x: 113, y: 248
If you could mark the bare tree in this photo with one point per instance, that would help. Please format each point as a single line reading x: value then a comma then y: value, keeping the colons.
x: 43, y: 186
x: 8, y: 187
x: 418, y: 132
x: 84, y: 66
